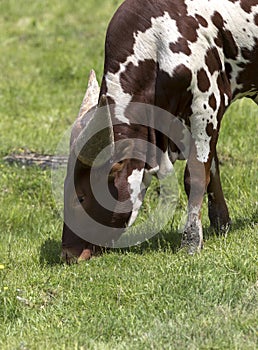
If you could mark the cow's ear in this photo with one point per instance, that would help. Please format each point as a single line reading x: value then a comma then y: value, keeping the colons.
x: 117, y: 167
x: 91, y: 95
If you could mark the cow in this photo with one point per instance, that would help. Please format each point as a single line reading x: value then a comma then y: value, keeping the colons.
x: 189, y: 58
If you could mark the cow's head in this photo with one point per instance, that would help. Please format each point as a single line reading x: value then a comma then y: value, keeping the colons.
x: 103, y: 187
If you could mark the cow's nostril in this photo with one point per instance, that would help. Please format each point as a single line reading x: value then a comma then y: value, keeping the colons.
x: 85, y: 255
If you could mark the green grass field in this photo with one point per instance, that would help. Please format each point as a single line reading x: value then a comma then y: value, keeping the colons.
x: 148, y: 297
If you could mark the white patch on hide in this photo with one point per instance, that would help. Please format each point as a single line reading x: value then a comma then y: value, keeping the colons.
x: 115, y: 91
x: 148, y: 175
x: 135, y: 186
x: 202, y: 140
x: 226, y: 100
x: 154, y: 44
x: 166, y: 166
x: 213, y: 167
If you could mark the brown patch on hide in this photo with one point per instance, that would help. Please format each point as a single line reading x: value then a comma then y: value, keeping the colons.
x: 248, y: 76
x: 230, y: 48
x: 172, y: 93
x: 212, y: 60
x: 180, y: 46
x: 188, y: 26
x: 136, y: 80
x: 225, y: 38
x: 247, y: 5
x: 209, y: 129
x: 202, y: 21
x: 217, y: 20
x: 203, y: 81
x: 228, y: 69
x: 212, y: 102
x: 256, y: 19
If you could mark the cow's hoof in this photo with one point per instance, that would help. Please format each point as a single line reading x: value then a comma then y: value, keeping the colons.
x: 190, y: 247
x: 192, y: 241
x: 221, y: 229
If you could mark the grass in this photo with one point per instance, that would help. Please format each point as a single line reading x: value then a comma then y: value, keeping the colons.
x: 147, y: 297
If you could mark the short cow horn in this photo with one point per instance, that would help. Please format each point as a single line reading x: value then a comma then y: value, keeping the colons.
x: 97, y: 137
x: 91, y: 96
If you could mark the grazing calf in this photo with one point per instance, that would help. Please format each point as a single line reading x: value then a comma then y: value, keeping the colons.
x: 189, y: 58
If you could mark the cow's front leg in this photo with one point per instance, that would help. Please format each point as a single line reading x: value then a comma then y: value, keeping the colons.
x: 195, y: 181
x: 217, y: 208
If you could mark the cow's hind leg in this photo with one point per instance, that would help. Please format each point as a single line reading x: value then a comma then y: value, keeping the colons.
x: 217, y: 208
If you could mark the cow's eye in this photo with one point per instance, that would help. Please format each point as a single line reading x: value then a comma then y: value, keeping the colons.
x: 81, y: 199
x: 78, y: 200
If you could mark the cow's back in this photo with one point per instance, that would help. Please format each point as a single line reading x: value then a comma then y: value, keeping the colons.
x: 183, y: 38
x: 191, y: 58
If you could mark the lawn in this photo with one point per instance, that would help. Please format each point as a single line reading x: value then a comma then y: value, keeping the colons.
x: 147, y: 297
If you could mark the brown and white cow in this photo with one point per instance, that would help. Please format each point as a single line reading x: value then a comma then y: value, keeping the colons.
x: 190, y: 58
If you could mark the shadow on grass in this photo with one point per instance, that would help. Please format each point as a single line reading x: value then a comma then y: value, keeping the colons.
x: 163, y: 241
x: 50, y: 250
x: 171, y: 240
x: 243, y: 222
x: 168, y: 241
x: 239, y: 223
x: 50, y: 253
